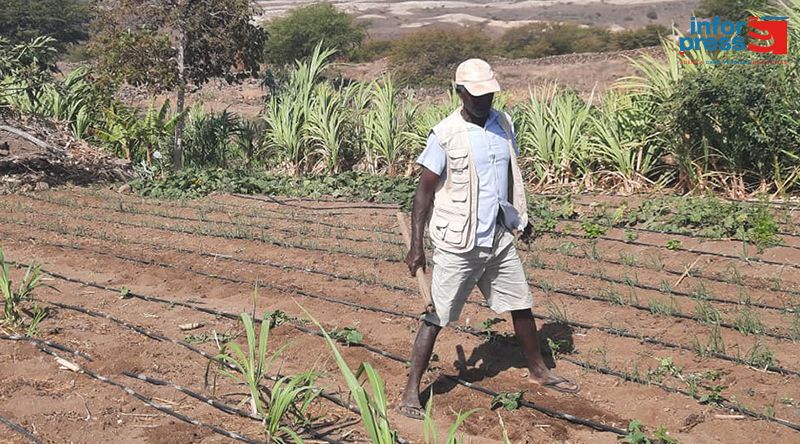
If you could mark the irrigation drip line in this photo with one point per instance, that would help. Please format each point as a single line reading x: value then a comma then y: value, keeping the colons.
x: 221, y: 222
x: 607, y: 330
x: 670, y: 232
x: 726, y: 403
x: 46, y: 343
x: 363, y: 255
x: 406, y: 289
x: 270, y: 199
x: 228, y: 236
x: 21, y: 430
x: 214, y: 403
x: 654, y: 288
x: 220, y: 207
x: 390, y: 259
x: 162, y: 408
x: 649, y: 310
x: 691, y: 273
x: 466, y: 329
x: 688, y: 250
x: 373, y: 349
x: 559, y: 291
x: 231, y: 410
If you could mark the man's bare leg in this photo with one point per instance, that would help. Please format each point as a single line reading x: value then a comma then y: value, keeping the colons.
x: 420, y: 356
x: 528, y: 337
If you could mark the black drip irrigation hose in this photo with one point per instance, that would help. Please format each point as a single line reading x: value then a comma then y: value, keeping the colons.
x: 689, y: 274
x: 640, y: 307
x: 723, y: 402
x: 555, y: 233
x: 654, y: 288
x: 157, y: 336
x: 468, y: 330
x: 607, y: 330
x: 220, y: 222
x: 782, y: 233
x: 688, y: 250
x: 645, y: 287
x: 270, y: 199
x: 672, y: 233
x: 162, y: 408
x: 388, y: 259
x: 46, y: 343
x: 21, y: 430
x: 375, y: 350
x: 559, y: 291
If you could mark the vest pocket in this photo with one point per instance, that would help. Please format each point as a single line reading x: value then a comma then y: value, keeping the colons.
x: 458, y: 159
x: 455, y: 232
x: 449, y: 226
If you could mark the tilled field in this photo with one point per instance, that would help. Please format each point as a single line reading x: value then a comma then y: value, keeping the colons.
x: 699, y: 339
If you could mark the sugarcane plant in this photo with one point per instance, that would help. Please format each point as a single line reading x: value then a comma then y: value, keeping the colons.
x: 12, y: 299
x: 288, y: 400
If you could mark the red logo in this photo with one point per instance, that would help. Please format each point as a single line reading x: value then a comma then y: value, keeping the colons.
x: 765, y: 29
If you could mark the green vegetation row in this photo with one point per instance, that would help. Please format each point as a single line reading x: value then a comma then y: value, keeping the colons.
x: 707, y: 216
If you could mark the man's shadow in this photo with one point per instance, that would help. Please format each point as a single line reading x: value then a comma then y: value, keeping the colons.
x: 499, y: 354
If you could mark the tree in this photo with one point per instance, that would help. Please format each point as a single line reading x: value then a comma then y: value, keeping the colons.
x: 64, y: 20
x: 296, y: 35
x: 168, y: 45
x: 431, y: 57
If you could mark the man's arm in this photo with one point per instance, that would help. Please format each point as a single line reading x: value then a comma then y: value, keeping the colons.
x: 423, y: 202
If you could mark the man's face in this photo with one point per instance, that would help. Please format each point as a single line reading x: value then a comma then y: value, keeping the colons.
x: 477, y: 106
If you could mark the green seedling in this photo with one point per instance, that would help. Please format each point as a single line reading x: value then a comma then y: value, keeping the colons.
x: 714, y: 395
x: 631, y: 236
x: 12, y: 299
x: 507, y: 400
x: 559, y: 346
x: 760, y: 356
x: 487, y: 327
x: 748, y: 323
x: 673, y: 244
x: 347, y: 335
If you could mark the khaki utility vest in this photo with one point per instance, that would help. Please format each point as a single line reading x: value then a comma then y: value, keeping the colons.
x: 454, y: 219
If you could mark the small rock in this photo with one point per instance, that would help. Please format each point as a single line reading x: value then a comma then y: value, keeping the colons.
x: 41, y: 186
x: 124, y: 189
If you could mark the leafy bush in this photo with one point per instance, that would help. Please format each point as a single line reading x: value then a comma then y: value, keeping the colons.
x: 66, y: 21
x: 737, y: 121
x: 190, y: 183
x: 295, y: 36
x: 430, y: 58
x: 546, y: 39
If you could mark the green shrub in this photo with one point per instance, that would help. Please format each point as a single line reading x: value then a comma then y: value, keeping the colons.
x: 430, y: 57
x: 295, y: 36
x: 737, y: 120
x: 371, y: 50
x: 67, y: 21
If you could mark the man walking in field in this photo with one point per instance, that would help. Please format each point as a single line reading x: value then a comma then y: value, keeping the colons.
x: 471, y: 188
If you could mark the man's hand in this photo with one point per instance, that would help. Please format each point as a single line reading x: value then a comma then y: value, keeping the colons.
x: 415, y: 259
x: 528, y: 234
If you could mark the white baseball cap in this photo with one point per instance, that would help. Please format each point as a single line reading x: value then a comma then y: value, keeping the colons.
x: 477, y: 77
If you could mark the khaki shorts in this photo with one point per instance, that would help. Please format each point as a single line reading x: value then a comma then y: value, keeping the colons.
x: 497, y: 271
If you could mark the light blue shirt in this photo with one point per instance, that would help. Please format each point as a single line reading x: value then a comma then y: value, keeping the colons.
x: 490, y: 156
